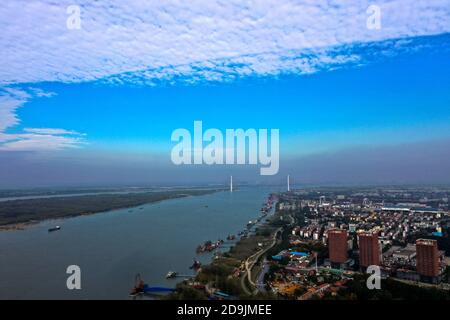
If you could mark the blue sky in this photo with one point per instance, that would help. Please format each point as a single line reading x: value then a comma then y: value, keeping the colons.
x: 77, y: 106
x: 405, y: 98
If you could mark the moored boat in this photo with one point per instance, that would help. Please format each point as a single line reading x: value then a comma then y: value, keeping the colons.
x: 196, y: 265
x: 231, y: 237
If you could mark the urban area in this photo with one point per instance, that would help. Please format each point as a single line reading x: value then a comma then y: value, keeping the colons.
x: 328, y: 243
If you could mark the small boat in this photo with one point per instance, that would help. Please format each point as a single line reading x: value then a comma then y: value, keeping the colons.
x: 196, y: 265
x: 54, y: 229
x: 231, y: 237
x: 138, y: 286
x: 171, y: 274
x: 209, y: 246
x: 141, y: 288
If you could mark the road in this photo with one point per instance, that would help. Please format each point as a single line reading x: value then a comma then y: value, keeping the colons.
x: 260, y: 285
x: 250, y: 263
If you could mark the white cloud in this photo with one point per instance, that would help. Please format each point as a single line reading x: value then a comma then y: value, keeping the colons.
x: 30, y: 139
x: 146, y: 41
x: 38, y: 142
x: 50, y: 131
x: 10, y: 101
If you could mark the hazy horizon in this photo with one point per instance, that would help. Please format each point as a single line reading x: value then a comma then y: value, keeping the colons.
x: 97, y: 105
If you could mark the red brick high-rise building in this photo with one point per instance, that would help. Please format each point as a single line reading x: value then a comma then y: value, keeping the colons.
x: 369, y: 249
x: 337, y: 245
x: 427, y: 257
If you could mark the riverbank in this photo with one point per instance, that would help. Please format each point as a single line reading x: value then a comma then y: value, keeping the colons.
x: 112, y: 247
x: 235, y: 273
x: 19, y: 214
x: 17, y: 226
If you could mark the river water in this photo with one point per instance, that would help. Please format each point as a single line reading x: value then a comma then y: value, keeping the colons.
x: 111, y: 247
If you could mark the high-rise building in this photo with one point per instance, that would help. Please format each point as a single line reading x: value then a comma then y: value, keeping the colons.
x: 337, y: 245
x: 369, y: 249
x: 427, y: 257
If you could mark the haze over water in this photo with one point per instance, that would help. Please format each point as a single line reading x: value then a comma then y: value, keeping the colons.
x: 112, y: 247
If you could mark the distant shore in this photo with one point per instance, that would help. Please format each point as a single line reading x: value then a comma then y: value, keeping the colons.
x: 19, y: 214
x: 17, y: 226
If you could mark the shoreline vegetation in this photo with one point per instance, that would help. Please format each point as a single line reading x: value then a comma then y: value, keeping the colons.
x: 10, y: 193
x: 19, y: 214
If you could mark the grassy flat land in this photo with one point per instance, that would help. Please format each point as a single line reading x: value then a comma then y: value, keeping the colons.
x: 23, y: 211
x: 5, y: 193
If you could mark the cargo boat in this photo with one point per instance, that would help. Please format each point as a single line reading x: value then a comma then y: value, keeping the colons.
x: 54, y: 229
x: 171, y: 274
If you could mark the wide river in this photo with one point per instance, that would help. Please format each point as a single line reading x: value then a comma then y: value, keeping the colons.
x: 112, y: 247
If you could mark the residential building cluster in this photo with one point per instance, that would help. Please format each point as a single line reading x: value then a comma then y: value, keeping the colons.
x: 397, y: 230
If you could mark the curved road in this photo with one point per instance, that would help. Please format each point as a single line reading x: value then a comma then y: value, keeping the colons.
x: 250, y: 263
